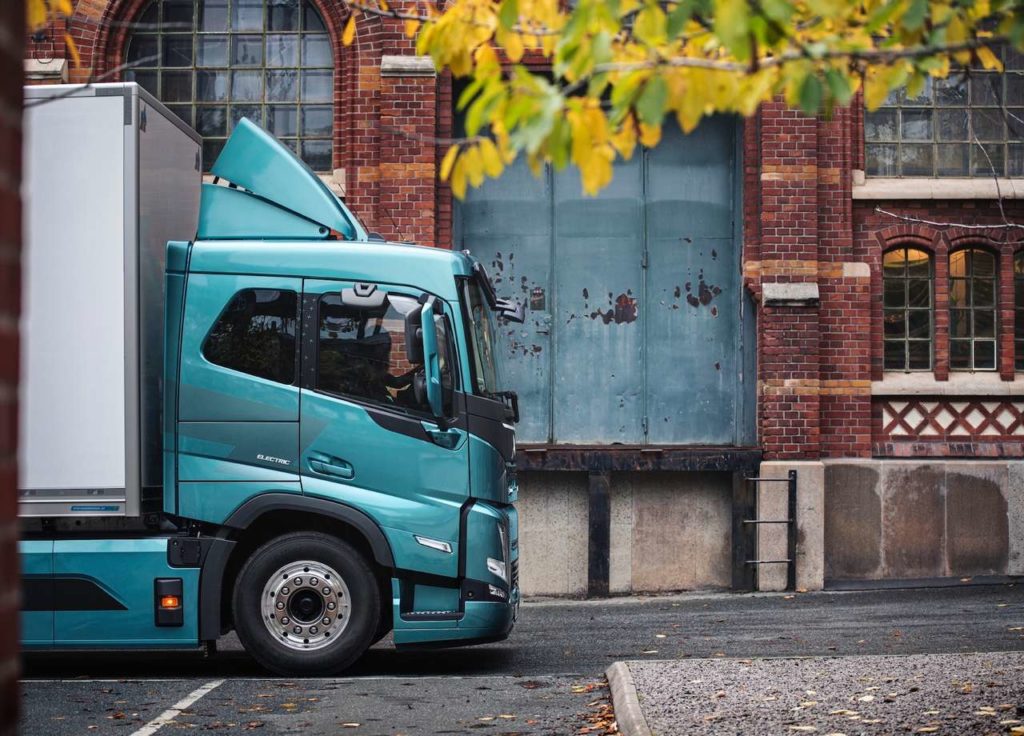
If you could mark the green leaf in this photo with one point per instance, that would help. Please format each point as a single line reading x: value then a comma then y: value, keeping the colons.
x: 778, y: 10
x: 679, y: 17
x: 508, y: 15
x: 650, y: 106
x: 839, y: 86
x: 810, y: 94
x: 732, y: 23
x: 915, y: 14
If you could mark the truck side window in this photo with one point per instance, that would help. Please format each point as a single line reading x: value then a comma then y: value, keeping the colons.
x: 256, y: 333
x: 361, y: 352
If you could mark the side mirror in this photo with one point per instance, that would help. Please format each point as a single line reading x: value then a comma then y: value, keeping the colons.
x: 431, y: 358
x: 511, y: 310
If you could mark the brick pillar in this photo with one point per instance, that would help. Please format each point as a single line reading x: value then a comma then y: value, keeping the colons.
x: 408, y: 170
x: 12, y: 25
x: 789, y: 320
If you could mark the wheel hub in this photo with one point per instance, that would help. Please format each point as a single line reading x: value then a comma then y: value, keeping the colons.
x: 305, y: 605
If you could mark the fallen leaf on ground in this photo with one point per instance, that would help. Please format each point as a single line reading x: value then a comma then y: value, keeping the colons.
x: 866, y: 698
x: 350, y: 725
x: 806, y: 729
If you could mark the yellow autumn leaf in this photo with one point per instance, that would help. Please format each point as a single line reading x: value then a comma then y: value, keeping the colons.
x: 349, y: 34
x: 411, y: 26
x: 989, y: 60
x: 449, y: 159
x: 491, y: 158
x: 650, y: 135
x: 458, y: 180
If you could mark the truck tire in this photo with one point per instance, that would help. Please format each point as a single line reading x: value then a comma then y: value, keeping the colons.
x: 306, y: 604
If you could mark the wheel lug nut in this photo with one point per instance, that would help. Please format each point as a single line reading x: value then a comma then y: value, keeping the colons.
x: 297, y: 629
x: 326, y: 621
x: 284, y: 590
x: 313, y: 581
x: 330, y: 606
x: 298, y: 581
x: 327, y: 591
x: 313, y: 629
x: 280, y: 606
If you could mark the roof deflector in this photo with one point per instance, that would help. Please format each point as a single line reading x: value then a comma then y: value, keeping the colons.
x: 254, y: 160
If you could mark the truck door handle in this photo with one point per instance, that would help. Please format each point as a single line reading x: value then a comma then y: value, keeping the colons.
x: 449, y: 439
x: 328, y: 465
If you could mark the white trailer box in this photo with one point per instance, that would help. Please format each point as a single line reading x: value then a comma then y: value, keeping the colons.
x: 110, y: 176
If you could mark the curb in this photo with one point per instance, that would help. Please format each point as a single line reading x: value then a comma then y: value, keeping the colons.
x: 628, y: 714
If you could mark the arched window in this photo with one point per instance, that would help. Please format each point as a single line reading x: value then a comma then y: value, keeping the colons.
x: 1018, y: 303
x: 908, y: 309
x: 972, y: 310
x: 214, y: 62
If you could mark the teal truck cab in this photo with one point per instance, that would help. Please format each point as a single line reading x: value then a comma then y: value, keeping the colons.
x: 285, y: 426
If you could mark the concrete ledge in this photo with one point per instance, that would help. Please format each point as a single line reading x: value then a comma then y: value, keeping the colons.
x: 628, y: 715
x: 407, y: 66
x: 54, y: 71
x: 789, y: 294
x: 959, y: 384
x: 981, y: 188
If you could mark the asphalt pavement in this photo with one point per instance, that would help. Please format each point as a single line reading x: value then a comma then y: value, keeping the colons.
x: 546, y: 679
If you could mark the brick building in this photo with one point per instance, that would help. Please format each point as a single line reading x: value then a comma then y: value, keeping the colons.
x: 780, y: 293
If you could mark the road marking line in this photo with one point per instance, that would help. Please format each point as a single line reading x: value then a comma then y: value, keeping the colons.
x: 175, y: 710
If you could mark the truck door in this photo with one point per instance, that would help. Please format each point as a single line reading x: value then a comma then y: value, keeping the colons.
x: 238, y: 411
x: 366, y: 440
x: 36, y: 592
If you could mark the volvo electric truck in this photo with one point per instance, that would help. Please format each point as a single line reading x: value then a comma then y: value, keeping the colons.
x: 240, y: 411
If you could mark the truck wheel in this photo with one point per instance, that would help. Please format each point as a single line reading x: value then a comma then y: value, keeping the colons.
x: 306, y: 604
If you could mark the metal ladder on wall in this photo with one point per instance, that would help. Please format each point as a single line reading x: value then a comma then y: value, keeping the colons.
x: 790, y: 521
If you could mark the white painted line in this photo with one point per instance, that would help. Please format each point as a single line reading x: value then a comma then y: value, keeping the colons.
x: 171, y: 713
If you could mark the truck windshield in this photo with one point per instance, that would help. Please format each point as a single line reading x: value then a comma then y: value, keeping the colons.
x: 481, y: 338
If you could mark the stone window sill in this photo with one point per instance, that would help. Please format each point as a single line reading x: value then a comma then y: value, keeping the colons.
x: 873, y: 188
x: 959, y: 384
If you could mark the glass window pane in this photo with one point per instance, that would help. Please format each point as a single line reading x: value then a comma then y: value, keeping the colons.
x: 292, y: 145
x: 282, y: 50
x: 283, y: 15
x: 1018, y: 265
x: 960, y: 323
x: 1014, y: 89
x: 247, y: 86
x: 958, y: 292
x: 253, y: 112
x: 984, y: 323
x: 895, y: 355
x: 958, y: 263
x: 212, y: 51
x: 282, y: 120
x: 987, y: 160
x: 316, y: 86
x: 894, y: 262
x: 1012, y: 59
x: 211, y: 149
x: 257, y: 334
x: 246, y: 50
x: 950, y: 92
x: 311, y: 20
x: 880, y: 125
x: 983, y: 263
x: 143, y: 50
x: 953, y: 159
x: 211, y: 120
x: 177, y: 50
x: 213, y: 15
x: 211, y: 86
x: 150, y: 16
x: 282, y: 85
x: 177, y: 86
x: 986, y: 89
x: 316, y: 50
x: 960, y: 353
x: 317, y: 120
x: 895, y: 324
x: 987, y: 125
x: 924, y: 97
x: 177, y: 15
x: 916, y: 159
x: 182, y: 111
x: 984, y: 355
x: 895, y: 293
x: 146, y: 80
x: 881, y: 160
x: 919, y: 264
x: 919, y: 323
x: 917, y: 125
x: 952, y: 125
x: 317, y: 154
x: 1014, y: 117
x: 984, y: 292
x: 919, y: 293
x: 920, y: 355
x: 247, y: 15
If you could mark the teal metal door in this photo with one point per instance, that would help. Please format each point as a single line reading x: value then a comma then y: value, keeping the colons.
x: 635, y: 307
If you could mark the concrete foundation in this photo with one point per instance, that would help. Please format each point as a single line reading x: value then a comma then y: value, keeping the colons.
x: 772, y: 503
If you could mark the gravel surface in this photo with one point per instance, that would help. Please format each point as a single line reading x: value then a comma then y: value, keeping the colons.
x: 936, y: 693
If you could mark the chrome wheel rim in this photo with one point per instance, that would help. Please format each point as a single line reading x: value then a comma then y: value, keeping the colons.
x: 305, y: 605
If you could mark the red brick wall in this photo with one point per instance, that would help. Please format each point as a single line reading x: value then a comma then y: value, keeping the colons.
x: 12, y: 24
